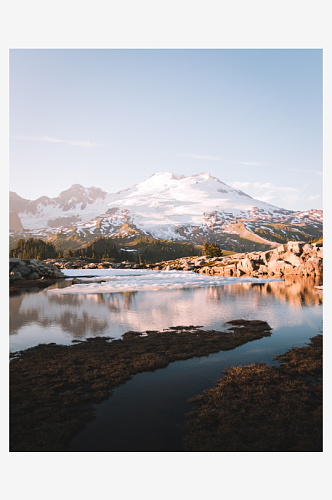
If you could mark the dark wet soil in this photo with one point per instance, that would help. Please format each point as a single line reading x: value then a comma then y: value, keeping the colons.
x: 263, y: 408
x: 53, y: 387
x: 19, y: 286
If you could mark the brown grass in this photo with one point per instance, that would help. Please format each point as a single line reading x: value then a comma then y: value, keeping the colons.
x: 53, y: 387
x: 263, y: 408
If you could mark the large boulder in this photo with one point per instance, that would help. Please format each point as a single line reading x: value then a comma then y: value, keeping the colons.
x: 247, y: 265
x: 293, y: 258
x: 230, y: 270
x: 34, y: 276
x: 279, y: 266
x: 24, y: 270
x: 15, y: 274
x: 281, y: 249
x: 267, y: 256
x: 13, y: 262
x: 263, y: 269
x: 295, y: 246
x: 313, y: 266
x: 307, y: 248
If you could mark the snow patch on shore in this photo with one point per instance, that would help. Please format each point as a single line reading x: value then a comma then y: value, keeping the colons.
x: 127, y: 280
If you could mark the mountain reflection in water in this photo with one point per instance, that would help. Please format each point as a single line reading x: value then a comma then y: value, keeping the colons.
x: 42, y: 317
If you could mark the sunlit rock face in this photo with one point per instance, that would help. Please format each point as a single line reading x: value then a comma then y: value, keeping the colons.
x: 291, y: 259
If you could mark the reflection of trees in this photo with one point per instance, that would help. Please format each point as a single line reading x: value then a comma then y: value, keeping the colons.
x: 68, y: 311
x: 80, y: 326
x: 298, y: 291
x: 119, y: 301
x: 18, y: 319
x: 82, y: 315
x: 73, y: 321
x: 71, y: 300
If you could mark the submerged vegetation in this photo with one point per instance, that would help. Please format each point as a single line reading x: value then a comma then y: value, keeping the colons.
x: 263, y: 408
x: 53, y: 387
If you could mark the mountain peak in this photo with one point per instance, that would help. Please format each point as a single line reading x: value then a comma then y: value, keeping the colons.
x: 206, y: 176
x: 166, y: 175
x: 167, y: 206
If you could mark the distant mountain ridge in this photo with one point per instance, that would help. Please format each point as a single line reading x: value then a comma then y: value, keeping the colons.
x: 165, y: 206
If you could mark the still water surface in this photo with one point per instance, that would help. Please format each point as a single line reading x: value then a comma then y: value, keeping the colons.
x: 148, y: 412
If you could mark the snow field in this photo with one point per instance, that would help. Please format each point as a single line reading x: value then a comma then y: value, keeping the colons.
x: 126, y: 280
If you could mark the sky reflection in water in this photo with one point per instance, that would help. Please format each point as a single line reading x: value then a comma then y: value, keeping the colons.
x: 45, y: 317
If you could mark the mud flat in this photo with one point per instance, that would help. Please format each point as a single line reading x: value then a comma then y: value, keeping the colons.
x: 53, y: 387
x: 263, y: 408
x: 18, y: 286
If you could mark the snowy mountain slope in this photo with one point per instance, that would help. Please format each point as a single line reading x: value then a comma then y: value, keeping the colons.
x: 165, y: 206
x: 76, y: 204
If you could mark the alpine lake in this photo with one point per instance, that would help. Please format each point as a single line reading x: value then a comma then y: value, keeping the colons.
x: 148, y: 411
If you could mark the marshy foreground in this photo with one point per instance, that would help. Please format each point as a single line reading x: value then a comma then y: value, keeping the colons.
x: 252, y: 408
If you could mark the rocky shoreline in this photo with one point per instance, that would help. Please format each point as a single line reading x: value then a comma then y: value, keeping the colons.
x: 293, y: 258
x: 32, y: 269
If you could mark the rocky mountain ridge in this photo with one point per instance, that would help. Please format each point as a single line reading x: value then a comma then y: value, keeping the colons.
x: 165, y: 206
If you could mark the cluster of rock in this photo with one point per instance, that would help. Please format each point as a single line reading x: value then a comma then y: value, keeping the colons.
x: 32, y: 269
x: 293, y: 258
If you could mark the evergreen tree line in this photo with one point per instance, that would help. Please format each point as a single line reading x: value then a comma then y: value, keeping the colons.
x: 148, y: 251
x: 33, y: 249
x: 103, y: 248
x: 152, y: 251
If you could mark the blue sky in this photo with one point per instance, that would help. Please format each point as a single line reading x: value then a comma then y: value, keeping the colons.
x: 111, y: 118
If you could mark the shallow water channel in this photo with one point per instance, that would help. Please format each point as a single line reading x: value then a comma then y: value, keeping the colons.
x: 147, y: 413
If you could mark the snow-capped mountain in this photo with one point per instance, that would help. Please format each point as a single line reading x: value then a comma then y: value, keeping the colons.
x: 165, y: 206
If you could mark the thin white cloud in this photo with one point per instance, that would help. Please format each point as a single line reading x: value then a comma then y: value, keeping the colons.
x: 250, y: 163
x: 84, y: 144
x: 202, y: 157
x: 305, y: 171
x: 296, y: 170
x: 266, y: 191
x: 218, y: 158
x: 270, y: 193
x: 260, y: 186
x: 313, y: 197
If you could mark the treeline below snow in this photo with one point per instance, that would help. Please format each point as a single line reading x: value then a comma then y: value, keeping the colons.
x: 142, y: 250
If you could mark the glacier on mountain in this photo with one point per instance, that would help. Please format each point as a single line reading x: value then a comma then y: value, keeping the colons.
x: 165, y: 206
